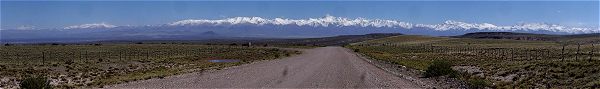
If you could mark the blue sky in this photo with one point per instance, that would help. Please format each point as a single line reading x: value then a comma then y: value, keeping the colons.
x: 58, y: 14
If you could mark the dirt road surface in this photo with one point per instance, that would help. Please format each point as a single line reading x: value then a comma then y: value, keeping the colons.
x: 325, y: 67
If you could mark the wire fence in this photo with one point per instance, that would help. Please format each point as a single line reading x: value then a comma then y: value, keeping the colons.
x: 471, y: 51
x: 67, y: 54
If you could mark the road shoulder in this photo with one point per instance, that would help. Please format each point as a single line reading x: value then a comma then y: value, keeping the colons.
x: 413, y: 75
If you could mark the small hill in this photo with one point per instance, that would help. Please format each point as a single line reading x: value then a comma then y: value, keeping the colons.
x: 577, y: 38
x: 209, y: 33
x: 323, y: 41
x: 508, y: 35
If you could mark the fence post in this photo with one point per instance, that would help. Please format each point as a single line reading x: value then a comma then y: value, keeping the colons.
x: 43, y: 58
x: 71, y: 55
x: 536, y: 53
x: 512, y: 53
x: 505, y: 56
x: 548, y: 52
x: 562, y: 53
x: 591, y: 52
x: 431, y: 48
x: 577, y: 54
x: 80, y: 57
x: 527, y: 56
x: 147, y: 54
x: 500, y: 53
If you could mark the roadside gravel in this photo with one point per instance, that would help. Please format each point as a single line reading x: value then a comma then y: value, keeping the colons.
x: 325, y: 67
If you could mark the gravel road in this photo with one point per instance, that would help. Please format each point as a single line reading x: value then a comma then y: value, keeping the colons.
x: 325, y: 67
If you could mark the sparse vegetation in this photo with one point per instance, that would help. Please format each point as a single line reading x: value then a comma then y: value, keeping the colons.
x: 504, y: 63
x: 35, y: 83
x: 478, y: 83
x: 275, y: 42
x: 75, y: 66
x: 439, y: 68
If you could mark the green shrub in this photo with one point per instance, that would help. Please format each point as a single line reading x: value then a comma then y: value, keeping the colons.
x: 35, y: 83
x: 439, y: 68
x: 69, y: 62
x: 478, y: 83
x: 593, y: 85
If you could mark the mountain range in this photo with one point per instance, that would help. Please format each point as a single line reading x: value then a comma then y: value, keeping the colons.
x: 193, y: 29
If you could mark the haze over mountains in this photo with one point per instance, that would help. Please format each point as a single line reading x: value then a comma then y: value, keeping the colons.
x: 270, y: 28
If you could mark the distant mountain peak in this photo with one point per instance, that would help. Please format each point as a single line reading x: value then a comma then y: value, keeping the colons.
x: 325, y: 21
x: 90, y: 26
x: 26, y: 27
x: 332, y: 21
x: 209, y: 33
x: 280, y: 27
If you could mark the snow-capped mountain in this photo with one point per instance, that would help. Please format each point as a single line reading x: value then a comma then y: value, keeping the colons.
x: 314, y: 22
x: 331, y: 21
x: 91, y: 26
x: 277, y: 27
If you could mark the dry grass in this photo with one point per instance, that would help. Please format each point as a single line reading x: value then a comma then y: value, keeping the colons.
x: 73, y: 66
x: 525, y: 64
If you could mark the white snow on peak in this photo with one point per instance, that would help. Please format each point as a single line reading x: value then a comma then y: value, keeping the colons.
x: 550, y: 27
x: 326, y: 21
x: 26, y: 27
x: 89, y: 26
x: 456, y: 25
x: 329, y: 20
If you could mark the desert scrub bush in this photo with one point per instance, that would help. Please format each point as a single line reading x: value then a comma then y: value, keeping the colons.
x: 478, y: 83
x: 108, y: 64
x: 35, y: 83
x: 440, y: 68
x: 594, y: 85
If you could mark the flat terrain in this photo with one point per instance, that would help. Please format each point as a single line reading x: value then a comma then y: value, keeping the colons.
x: 495, y: 63
x: 85, y: 66
x: 325, y: 67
